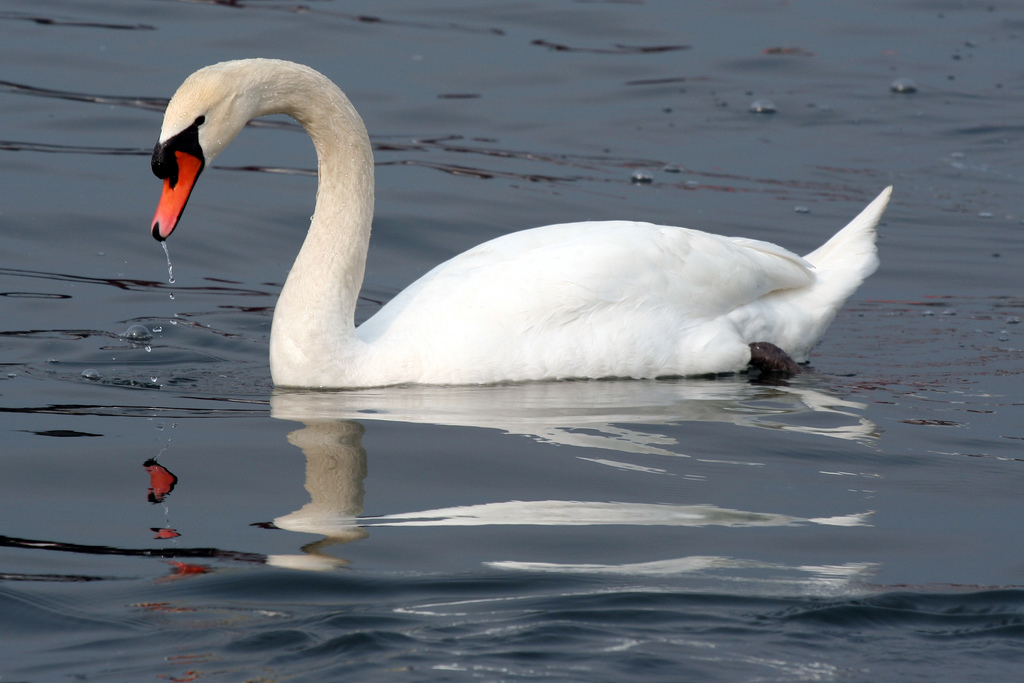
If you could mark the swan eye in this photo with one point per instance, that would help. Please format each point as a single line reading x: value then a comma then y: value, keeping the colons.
x: 165, y: 162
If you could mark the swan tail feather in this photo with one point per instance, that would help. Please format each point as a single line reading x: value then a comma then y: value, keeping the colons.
x: 799, y: 317
x: 846, y: 260
x: 853, y: 247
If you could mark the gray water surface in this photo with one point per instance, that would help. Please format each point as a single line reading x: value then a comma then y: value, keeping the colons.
x: 166, y: 515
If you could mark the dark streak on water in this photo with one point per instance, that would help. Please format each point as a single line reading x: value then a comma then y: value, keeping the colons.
x: 52, y: 21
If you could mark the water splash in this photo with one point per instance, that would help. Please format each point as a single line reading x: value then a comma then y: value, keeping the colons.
x: 170, y: 268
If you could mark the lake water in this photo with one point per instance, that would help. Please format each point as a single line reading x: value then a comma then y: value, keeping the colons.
x: 166, y: 515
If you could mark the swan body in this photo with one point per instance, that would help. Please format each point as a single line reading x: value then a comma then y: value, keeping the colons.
x: 577, y: 300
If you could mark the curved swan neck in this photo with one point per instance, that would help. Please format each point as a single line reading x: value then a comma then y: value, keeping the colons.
x: 315, y: 314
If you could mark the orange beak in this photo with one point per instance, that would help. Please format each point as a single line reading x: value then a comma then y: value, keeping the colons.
x: 175, y: 194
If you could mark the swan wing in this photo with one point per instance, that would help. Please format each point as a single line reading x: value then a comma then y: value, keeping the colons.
x: 582, y: 293
x: 564, y: 269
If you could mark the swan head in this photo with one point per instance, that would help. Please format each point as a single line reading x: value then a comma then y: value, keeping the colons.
x: 206, y: 113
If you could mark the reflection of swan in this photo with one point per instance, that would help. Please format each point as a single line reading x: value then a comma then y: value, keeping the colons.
x: 585, y: 513
x: 336, y: 467
x: 594, y: 299
x: 336, y: 460
x: 590, y: 414
x: 335, y: 470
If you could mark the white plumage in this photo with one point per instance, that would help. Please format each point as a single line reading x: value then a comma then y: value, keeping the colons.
x: 592, y: 299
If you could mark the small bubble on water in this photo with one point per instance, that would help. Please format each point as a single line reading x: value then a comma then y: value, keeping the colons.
x: 149, y: 348
x: 52, y: 360
x: 762, y: 106
x: 172, y: 296
x: 1013, y: 320
x: 672, y: 168
x: 903, y: 85
x: 91, y: 374
x: 801, y: 209
x: 985, y: 214
x: 641, y: 178
x: 137, y: 333
x: 1004, y: 335
x: 154, y: 380
x: 158, y: 329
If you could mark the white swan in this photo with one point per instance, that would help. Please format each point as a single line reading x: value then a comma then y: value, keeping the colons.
x: 593, y: 299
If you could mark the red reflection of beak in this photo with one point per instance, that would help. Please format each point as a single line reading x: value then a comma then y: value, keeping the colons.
x: 161, y: 481
x: 164, y: 532
x: 174, y: 197
x: 183, y: 569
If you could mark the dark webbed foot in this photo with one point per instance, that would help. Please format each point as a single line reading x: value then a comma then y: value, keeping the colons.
x: 770, y: 359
